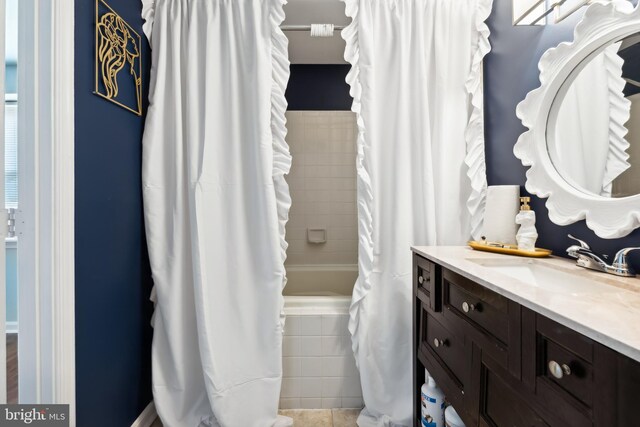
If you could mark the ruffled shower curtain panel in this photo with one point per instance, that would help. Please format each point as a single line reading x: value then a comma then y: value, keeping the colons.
x: 416, y: 80
x: 215, y: 208
x: 590, y: 145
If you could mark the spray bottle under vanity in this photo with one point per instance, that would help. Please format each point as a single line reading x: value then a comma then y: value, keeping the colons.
x: 527, y: 233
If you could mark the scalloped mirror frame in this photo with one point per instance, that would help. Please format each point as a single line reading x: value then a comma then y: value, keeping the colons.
x: 609, y: 218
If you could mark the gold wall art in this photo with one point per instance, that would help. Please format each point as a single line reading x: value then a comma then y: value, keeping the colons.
x: 118, y: 65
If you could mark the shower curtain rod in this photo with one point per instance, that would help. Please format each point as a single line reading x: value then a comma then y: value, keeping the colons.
x: 306, y: 27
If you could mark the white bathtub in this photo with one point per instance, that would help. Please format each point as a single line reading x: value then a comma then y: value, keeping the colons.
x: 319, y: 289
x: 318, y: 366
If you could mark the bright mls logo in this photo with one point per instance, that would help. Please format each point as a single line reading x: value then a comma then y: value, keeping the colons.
x: 34, y: 415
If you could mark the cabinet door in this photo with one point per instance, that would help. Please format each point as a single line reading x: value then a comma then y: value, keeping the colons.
x: 447, y: 357
x: 500, y: 406
x: 447, y: 347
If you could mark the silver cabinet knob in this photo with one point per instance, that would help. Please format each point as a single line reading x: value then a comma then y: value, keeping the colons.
x: 422, y: 279
x: 466, y: 307
x: 557, y: 370
x: 439, y: 343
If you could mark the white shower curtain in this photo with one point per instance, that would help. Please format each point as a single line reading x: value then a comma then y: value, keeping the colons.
x: 215, y: 208
x: 416, y: 80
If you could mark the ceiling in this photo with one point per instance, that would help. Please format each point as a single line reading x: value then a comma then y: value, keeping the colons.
x: 304, y: 49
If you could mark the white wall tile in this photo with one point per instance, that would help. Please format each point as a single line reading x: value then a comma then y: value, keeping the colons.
x: 291, y: 367
x: 311, y: 325
x: 297, y: 245
x: 297, y: 221
x: 310, y: 387
x: 296, y: 233
x: 310, y: 403
x: 342, y: 196
x: 296, y: 258
x: 335, y: 324
x: 335, y: 184
x: 332, y: 386
x: 352, y: 402
x: 310, y: 346
x: 322, y: 196
x: 331, y: 402
x: 311, y: 366
x: 290, y: 403
x: 290, y: 387
x: 319, y: 208
x: 292, y: 325
x: 290, y: 346
x: 339, y: 233
x: 322, y: 184
x: 332, y: 171
x: 351, y: 387
x: 335, y: 345
x: 350, y: 369
x: 343, y: 366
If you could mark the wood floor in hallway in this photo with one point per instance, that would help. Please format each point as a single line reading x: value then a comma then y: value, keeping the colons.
x: 12, y: 368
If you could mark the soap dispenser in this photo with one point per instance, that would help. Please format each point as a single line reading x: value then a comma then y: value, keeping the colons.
x: 527, y: 234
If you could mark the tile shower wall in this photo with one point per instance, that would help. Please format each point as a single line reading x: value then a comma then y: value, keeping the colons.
x: 319, y: 370
x: 323, y: 186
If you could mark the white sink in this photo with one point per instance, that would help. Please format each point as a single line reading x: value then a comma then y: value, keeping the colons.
x: 549, y: 277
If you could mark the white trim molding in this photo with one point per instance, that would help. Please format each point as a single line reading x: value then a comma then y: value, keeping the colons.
x: 147, y: 417
x: 63, y: 296
x: 609, y: 218
x: 45, y: 220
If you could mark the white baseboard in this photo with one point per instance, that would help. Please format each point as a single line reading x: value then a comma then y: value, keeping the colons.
x: 147, y: 417
x: 11, y: 327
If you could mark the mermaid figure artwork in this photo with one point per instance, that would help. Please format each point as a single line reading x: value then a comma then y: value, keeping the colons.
x: 117, y: 46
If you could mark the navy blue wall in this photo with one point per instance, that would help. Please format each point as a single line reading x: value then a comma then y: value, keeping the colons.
x: 318, y: 87
x: 511, y: 71
x: 113, y: 335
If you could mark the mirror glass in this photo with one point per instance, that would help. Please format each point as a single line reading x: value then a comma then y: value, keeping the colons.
x: 593, y: 134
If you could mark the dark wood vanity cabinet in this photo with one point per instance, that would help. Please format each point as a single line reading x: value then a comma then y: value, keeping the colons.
x: 503, y: 365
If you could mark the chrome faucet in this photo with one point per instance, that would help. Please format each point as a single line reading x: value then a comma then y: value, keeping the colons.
x: 588, y: 259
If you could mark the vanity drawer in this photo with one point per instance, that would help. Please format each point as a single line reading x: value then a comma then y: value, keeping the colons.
x: 483, y: 308
x: 426, y: 284
x: 568, y: 371
x: 446, y: 346
x: 564, y: 372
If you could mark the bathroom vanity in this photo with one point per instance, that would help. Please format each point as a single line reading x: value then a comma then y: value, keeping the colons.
x: 519, y: 342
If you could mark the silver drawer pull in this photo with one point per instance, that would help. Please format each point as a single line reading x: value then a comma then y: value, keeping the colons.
x: 439, y: 343
x: 421, y: 279
x: 466, y: 307
x: 557, y: 370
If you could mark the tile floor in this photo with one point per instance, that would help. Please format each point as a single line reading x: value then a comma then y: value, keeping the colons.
x: 315, y: 417
x: 322, y: 417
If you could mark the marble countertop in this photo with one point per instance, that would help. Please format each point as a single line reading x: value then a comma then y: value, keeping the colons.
x: 603, y: 307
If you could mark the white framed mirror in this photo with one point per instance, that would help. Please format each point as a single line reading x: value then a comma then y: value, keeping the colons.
x: 582, y: 145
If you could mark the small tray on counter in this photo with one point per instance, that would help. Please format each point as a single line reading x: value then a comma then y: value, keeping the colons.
x: 509, y: 250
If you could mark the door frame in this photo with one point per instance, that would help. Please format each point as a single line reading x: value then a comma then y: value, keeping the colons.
x: 45, y: 222
x: 63, y: 135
